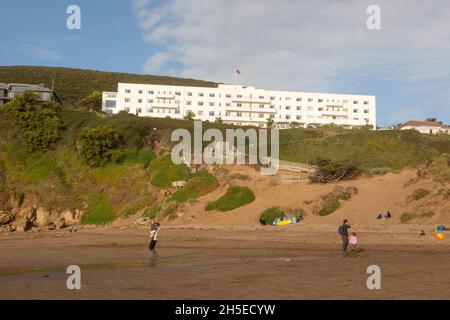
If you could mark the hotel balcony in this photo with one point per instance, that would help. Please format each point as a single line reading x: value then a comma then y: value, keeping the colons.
x: 251, y: 100
x: 165, y: 106
x: 256, y: 109
x: 335, y: 112
x: 165, y: 96
x: 244, y: 119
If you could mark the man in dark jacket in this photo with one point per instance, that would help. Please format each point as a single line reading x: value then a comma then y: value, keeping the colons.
x: 343, y: 231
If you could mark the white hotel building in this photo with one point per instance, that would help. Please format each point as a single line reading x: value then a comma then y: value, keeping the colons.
x: 239, y: 105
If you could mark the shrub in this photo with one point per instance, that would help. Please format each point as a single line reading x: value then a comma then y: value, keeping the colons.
x: 330, y: 171
x: 330, y: 207
x: 380, y: 171
x: 420, y: 193
x: 99, y: 212
x: 427, y: 214
x: 269, y: 215
x: 92, y: 102
x: 164, y: 172
x: 345, y: 195
x: 99, y: 145
x: 199, y: 185
x: 39, y: 122
x: 406, y: 217
x: 235, y: 197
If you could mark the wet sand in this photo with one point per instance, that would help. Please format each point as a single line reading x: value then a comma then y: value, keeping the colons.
x: 296, y: 262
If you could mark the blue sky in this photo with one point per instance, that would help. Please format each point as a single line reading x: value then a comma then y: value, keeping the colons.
x: 318, y: 46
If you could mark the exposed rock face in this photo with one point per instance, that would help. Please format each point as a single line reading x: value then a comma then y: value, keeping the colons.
x: 38, y: 219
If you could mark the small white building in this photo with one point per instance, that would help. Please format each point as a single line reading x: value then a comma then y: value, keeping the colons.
x: 239, y: 105
x: 426, y: 127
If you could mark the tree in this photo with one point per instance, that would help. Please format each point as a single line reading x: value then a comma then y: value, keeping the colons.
x: 92, y: 102
x: 219, y: 121
x: 39, y: 122
x: 99, y: 145
x: 270, y: 123
x: 190, y: 116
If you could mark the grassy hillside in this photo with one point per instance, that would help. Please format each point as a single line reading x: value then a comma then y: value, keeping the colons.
x: 72, y: 85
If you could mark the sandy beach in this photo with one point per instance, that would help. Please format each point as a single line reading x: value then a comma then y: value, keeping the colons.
x: 294, y: 262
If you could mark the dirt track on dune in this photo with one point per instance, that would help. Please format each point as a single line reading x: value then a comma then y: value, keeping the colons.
x: 296, y: 262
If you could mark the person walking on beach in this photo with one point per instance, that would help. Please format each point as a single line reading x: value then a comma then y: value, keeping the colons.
x: 352, y: 242
x: 154, y: 230
x: 343, y: 232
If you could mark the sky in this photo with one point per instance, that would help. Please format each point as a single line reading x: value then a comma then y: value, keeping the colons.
x: 299, y: 45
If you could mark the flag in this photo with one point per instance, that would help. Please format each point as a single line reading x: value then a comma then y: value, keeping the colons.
x: 238, y: 71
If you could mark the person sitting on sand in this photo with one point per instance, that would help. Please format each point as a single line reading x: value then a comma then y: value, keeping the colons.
x: 353, y: 241
x: 154, y: 230
x: 384, y: 215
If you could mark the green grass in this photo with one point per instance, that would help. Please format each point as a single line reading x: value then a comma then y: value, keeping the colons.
x: 164, y: 172
x: 406, y: 217
x: 441, y: 166
x: 330, y: 207
x: 28, y: 167
x: 132, y: 207
x: 235, y: 197
x: 72, y: 85
x: 199, y: 185
x: 99, y: 212
x: 269, y: 215
x: 427, y: 215
x: 420, y: 193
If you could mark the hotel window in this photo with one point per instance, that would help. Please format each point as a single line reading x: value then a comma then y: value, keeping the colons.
x: 212, y: 95
x: 310, y: 99
x: 150, y: 100
x: 366, y: 102
x: 151, y: 92
x: 299, y: 99
x: 310, y: 108
x: 299, y: 117
x: 366, y: 111
x: 228, y: 96
x: 288, y: 98
x: 127, y: 99
x: 272, y: 98
x: 345, y: 101
x: 127, y: 91
x: 140, y: 91
x: 299, y: 108
x: 200, y: 112
x: 200, y: 103
x: 261, y: 106
x: 261, y: 97
x: 239, y: 95
x: 177, y: 111
x: 239, y: 104
x: 139, y: 110
x: 211, y: 104
x: 178, y: 93
x: 367, y: 120
x: 261, y: 115
x: 211, y: 113
x: 288, y: 117
x: 139, y: 100
x: 238, y: 114
x: 355, y: 110
x: 188, y: 103
x: 355, y: 119
x: 320, y: 100
x: 149, y: 110
x: 189, y: 94
x: 355, y: 101
x: 200, y: 94
x: 127, y: 109
x: 288, y: 107
x: 228, y: 104
x: 321, y: 109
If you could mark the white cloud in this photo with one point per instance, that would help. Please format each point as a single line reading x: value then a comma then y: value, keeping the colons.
x: 42, y: 53
x: 299, y: 45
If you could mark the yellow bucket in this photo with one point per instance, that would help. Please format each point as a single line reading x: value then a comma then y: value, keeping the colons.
x: 439, y: 236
